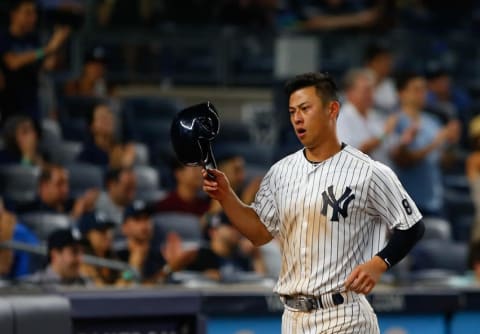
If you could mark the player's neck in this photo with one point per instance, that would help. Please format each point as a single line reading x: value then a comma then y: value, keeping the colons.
x: 323, y: 151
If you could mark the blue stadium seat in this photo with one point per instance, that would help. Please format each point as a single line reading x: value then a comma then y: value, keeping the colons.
x: 148, y: 184
x: 437, y: 229
x: 148, y: 119
x: 65, y: 152
x: 44, y: 223
x: 186, y: 225
x: 439, y: 254
x: 84, y: 177
x: 19, y: 183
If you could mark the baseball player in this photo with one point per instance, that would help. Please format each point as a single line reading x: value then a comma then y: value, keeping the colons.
x: 330, y: 206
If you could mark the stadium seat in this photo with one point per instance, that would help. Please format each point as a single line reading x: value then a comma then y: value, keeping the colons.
x: 41, y: 314
x: 73, y: 116
x: 186, y: 225
x: 254, y: 154
x: 437, y: 228
x: 233, y: 132
x: 148, y: 182
x: 147, y: 119
x: 19, y: 183
x: 65, y: 152
x: 439, y: 254
x: 44, y: 223
x: 84, y: 177
x: 142, y: 154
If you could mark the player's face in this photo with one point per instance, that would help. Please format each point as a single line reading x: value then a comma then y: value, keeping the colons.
x: 312, y: 119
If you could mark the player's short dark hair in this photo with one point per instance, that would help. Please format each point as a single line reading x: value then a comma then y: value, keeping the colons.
x: 374, y: 50
x: 324, y: 84
x: 402, y: 79
x: 15, y: 4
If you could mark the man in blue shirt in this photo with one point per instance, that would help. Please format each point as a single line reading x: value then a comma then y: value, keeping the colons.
x: 13, y: 263
x: 421, y: 142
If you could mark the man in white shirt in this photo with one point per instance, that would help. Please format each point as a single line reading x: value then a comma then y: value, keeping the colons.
x: 379, y: 60
x: 358, y: 124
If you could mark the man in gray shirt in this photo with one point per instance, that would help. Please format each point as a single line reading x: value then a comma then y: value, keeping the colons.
x: 64, y: 259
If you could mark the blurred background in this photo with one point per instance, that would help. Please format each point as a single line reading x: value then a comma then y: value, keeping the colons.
x: 96, y: 209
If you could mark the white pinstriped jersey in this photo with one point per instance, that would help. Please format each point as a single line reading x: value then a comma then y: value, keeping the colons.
x: 330, y: 217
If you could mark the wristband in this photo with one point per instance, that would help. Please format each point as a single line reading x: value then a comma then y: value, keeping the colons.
x: 39, y: 54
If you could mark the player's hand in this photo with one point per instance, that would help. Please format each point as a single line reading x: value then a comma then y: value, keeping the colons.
x: 217, y: 189
x: 366, y: 275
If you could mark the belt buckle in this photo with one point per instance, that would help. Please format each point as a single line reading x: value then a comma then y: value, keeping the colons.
x: 303, y: 303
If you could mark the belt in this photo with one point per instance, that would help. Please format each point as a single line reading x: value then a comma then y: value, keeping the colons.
x: 310, y: 303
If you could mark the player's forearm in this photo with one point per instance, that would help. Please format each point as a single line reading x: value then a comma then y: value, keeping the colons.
x: 245, y: 219
x: 400, y: 243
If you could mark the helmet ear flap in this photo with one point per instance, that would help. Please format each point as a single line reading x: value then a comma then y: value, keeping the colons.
x: 192, y: 131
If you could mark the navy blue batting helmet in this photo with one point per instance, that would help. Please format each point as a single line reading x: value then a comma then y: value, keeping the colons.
x: 192, y: 131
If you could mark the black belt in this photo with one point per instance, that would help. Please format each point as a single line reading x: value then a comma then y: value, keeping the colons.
x: 307, y: 303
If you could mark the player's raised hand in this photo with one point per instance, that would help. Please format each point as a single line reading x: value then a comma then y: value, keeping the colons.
x: 366, y: 275
x: 217, y: 188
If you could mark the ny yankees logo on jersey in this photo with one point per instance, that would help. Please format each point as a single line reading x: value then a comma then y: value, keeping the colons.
x: 337, y: 206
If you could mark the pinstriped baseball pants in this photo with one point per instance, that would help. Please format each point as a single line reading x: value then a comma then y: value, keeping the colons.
x: 355, y: 316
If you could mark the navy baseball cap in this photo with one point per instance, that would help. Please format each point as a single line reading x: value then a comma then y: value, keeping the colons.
x: 136, y: 209
x: 94, y: 221
x: 62, y: 238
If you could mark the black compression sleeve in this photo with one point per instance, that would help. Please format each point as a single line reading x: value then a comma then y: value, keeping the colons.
x: 400, y: 243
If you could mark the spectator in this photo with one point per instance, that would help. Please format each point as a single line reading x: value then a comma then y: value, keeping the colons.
x: 139, y: 252
x: 379, y: 60
x: 359, y: 124
x: 447, y: 101
x: 227, y: 252
x: 97, y: 231
x: 101, y: 147
x: 421, y: 144
x: 92, y: 82
x: 473, y: 173
x: 185, y: 198
x: 120, y: 185
x: 233, y: 165
x: 22, y: 57
x: 22, y: 144
x: 475, y: 259
x: 14, y: 264
x: 53, y: 195
x: 64, y: 261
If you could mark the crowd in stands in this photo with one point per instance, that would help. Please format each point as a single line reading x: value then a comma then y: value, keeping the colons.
x: 94, y: 176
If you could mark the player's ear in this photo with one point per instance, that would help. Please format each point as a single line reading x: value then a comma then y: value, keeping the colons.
x: 334, y: 109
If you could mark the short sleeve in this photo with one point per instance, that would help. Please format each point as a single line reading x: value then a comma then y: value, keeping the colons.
x: 389, y: 200
x: 265, y: 206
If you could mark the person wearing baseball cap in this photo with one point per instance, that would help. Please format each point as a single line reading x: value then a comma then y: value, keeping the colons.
x: 137, y: 228
x: 97, y: 230
x: 92, y: 82
x: 64, y: 260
